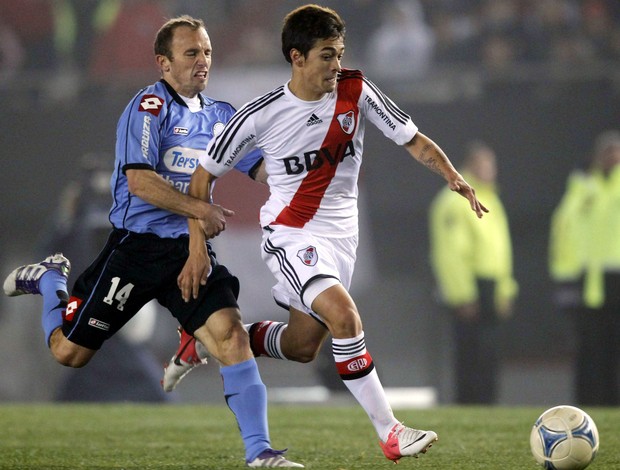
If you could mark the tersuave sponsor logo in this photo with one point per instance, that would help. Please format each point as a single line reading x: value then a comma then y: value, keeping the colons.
x: 182, y: 160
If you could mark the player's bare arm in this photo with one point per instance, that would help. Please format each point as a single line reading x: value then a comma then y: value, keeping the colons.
x: 427, y: 152
x: 260, y: 174
x: 200, y: 187
x: 152, y: 188
x: 197, y: 267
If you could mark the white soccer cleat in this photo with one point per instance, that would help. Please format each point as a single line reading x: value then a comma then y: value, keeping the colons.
x: 25, y: 279
x: 273, y: 458
x: 191, y: 354
x: 407, y: 442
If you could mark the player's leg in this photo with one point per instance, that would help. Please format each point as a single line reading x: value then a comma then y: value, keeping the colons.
x: 353, y: 362
x: 214, y: 320
x: 301, y: 264
x: 227, y: 341
x: 224, y: 337
x: 308, y: 270
x: 49, y: 279
x: 67, y: 352
x: 298, y: 340
x: 116, y: 285
x: 357, y: 370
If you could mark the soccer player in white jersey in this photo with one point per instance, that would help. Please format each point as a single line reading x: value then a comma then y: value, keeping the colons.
x: 160, y: 134
x: 310, y: 132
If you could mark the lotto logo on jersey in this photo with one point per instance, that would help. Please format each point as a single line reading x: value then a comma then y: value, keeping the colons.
x: 72, y: 307
x: 151, y: 104
x: 99, y: 324
x: 308, y: 256
x: 347, y: 122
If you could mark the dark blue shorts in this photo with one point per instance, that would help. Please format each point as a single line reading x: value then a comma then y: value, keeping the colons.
x: 132, y: 270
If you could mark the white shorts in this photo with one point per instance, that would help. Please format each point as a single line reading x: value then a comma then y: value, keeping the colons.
x: 305, y: 265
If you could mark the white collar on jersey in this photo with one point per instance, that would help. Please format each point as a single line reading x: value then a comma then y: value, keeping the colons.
x: 292, y: 96
x: 193, y: 104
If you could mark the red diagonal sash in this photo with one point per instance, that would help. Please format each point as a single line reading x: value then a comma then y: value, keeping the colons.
x: 307, y: 199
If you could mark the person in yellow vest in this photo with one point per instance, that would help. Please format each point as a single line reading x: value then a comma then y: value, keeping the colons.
x: 584, y: 262
x: 472, y: 262
x: 569, y: 241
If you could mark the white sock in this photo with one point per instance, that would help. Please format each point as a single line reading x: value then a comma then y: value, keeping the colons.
x: 358, y: 373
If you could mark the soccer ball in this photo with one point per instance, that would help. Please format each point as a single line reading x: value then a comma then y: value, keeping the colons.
x: 564, y: 438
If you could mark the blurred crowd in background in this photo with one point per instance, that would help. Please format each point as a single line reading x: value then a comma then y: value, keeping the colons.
x: 106, y: 39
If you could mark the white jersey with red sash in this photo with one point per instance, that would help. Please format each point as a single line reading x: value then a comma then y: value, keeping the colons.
x: 312, y: 151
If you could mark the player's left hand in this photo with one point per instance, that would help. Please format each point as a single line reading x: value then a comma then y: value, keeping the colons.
x: 194, y: 274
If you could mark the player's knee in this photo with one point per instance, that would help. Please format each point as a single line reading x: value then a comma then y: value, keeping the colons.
x: 346, y: 324
x: 303, y: 352
x: 69, y: 357
x: 236, y: 338
x: 69, y: 360
x: 232, y: 346
x: 304, y: 358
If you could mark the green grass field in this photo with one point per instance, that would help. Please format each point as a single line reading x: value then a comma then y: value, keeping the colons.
x: 129, y: 436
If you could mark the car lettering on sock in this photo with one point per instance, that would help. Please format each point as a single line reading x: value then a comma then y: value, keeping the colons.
x: 357, y: 364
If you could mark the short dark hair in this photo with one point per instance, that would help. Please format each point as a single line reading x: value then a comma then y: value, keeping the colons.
x: 305, y: 25
x: 163, y: 39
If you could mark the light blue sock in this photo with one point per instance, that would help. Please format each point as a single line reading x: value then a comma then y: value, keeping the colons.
x: 53, y: 288
x: 246, y: 396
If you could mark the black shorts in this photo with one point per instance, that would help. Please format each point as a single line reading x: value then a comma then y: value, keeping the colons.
x: 132, y: 270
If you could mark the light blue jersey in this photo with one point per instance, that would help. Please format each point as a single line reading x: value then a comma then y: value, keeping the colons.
x: 157, y: 131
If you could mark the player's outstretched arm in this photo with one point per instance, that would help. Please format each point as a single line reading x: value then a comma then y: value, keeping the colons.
x: 427, y: 152
x: 207, y: 225
x: 152, y: 188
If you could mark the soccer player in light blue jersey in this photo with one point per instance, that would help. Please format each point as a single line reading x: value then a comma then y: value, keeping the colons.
x: 160, y: 136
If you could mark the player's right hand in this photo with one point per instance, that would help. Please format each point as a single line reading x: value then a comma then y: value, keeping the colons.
x: 214, y: 222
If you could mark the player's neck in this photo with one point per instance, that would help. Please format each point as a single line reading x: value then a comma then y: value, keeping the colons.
x: 301, y: 90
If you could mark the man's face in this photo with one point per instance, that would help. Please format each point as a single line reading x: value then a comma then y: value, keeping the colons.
x: 321, y: 67
x: 484, y: 165
x: 610, y: 157
x: 188, y: 69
